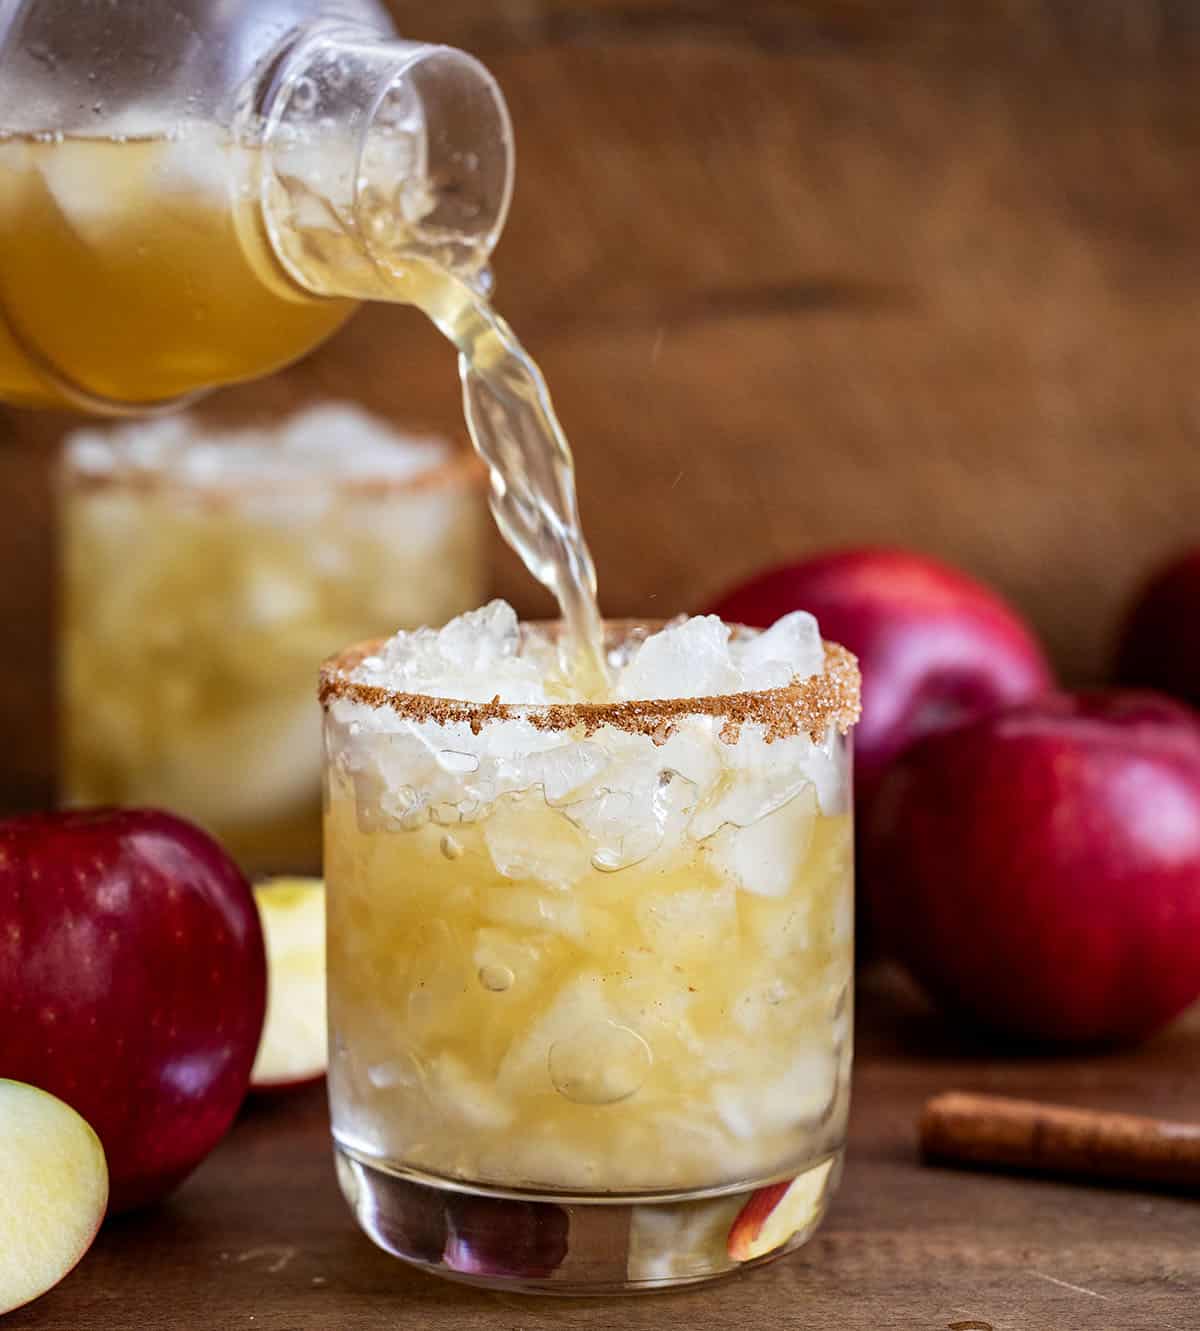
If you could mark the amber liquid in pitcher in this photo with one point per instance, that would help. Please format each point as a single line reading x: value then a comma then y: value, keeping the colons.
x: 128, y: 274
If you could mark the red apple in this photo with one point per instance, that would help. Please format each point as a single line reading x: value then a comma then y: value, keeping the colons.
x: 132, y: 982
x: 1159, y: 646
x: 935, y: 647
x: 1039, y: 869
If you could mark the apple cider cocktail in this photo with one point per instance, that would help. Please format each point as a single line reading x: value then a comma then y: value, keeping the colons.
x: 206, y: 573
x: 589, y: 962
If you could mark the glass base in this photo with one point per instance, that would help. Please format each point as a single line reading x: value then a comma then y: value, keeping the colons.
x: 543, y: 1244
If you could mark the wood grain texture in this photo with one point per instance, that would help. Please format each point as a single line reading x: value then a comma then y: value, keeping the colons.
x: 801, y: 274
x: 260, y: 1239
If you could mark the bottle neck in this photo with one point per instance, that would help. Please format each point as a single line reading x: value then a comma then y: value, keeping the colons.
x: 375, y: 154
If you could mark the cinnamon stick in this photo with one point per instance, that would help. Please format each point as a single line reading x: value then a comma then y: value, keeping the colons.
x: 989, y: 1131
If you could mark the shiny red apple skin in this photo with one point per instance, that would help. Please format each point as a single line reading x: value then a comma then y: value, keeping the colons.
x: 132, y: 983
x: 749, y: 1221
x: 1038, y: 870
x: 936, y: 648
x: 1159, y: 645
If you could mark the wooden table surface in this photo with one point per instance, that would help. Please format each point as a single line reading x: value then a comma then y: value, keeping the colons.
x: 260, y: 1239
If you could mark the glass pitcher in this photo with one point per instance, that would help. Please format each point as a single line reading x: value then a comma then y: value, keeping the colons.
x: 196, y: 193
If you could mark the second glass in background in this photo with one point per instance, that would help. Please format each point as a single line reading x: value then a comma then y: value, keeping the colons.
x: 205, y: 576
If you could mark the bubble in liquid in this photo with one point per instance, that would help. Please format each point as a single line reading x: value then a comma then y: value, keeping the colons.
x: 463, y: 764
x: 602, y: 1064
x: 304, y: 95
x: 450, y: 847
x: 496, y: 979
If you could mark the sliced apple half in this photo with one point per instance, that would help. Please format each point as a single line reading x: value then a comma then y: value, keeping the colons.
x: 773, y: 1215
x: 53, y: 1192
x: 293, y: 1049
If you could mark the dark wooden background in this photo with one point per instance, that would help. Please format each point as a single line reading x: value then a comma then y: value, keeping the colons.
x: 803, y: 274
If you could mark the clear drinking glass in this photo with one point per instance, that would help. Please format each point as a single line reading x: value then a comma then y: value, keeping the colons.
x: 589, y: 975
x: 204, y: 578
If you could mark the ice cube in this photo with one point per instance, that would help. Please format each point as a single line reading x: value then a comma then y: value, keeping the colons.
x: 779, y: 928
x: 461, y: 1097
x: 405, y: 1072
x: 690, y: 926
x: 801, y: 1095
x: 694, y: 752
x: 685, y: 660
x: 735, y: 1110
x: 529, y: 840
x: 767, y: 857
x: 563, y: 770
x: 480, y: 638
x: 525, y: 908
x: 622, y: 830
x: 790, y: 649
x: 474, y: 657
x: 759, y: 778
x: 627, y: 819
x: 580, y: 1005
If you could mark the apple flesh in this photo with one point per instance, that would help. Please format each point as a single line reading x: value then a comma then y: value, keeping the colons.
x: 1039, y: 870
x: 133, y: 983
x: 776, y: 1214
x: 53, y: 1192
x: 294, y: 1046
x: 1159, y: 646
x: 935, y: 647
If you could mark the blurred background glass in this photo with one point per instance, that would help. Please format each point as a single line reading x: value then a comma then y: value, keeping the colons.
x: 204, y: 577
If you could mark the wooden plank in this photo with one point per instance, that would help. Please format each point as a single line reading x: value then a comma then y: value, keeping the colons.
x: 260, y: 1239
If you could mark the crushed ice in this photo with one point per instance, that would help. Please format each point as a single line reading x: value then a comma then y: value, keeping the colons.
x: 330, y: 439
x: 615, y: 798
x: 482, y: 655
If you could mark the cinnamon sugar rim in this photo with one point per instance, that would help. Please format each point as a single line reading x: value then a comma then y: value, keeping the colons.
x: 463, y: 470
x: 809, y: 706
